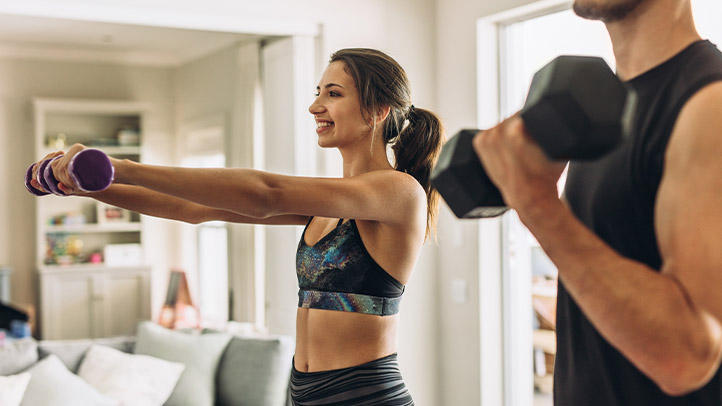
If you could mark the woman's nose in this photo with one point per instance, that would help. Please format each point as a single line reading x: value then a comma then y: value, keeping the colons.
x: 315, y: 107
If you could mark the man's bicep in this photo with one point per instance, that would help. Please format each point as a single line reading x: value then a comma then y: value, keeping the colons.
x: 688, y: 215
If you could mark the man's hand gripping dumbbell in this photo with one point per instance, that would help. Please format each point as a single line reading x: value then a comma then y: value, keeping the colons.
x: 576, y: 109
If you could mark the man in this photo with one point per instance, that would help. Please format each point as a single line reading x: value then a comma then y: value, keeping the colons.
x: 637, y: 236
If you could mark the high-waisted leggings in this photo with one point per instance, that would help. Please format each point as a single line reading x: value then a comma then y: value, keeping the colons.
x: 377, y: 382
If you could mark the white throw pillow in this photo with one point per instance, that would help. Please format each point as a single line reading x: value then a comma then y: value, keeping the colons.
x: 51, y: 384
x: 135, y: 380
x: 17, y: 356
x: 12, y: 388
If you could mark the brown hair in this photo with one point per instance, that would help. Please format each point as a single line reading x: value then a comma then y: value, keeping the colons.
x: 415, y: 134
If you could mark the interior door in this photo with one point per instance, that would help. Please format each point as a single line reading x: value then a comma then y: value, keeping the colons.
x: 289, y: 145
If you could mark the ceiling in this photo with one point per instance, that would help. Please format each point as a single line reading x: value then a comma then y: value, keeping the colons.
x: 29, y: 37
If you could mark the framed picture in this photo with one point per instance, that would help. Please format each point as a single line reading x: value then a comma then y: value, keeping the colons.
x: 111, y: 214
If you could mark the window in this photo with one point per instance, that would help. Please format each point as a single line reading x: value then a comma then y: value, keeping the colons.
x: 205, y: 246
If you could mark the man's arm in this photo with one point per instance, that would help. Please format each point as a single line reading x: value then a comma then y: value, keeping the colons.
x: 668, y: 323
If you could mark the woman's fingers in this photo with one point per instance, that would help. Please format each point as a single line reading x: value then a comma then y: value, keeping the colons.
x: 34, y: 182
x: 60, y: 168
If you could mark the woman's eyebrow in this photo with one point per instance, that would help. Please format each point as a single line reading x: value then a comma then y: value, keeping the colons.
x: 330, y: 85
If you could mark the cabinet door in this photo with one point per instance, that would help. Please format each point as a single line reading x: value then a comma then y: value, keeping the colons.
x: 67, y: 306
x: 126, y: 300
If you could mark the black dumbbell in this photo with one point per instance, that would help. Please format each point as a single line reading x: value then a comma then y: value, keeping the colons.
x: 576, y: 108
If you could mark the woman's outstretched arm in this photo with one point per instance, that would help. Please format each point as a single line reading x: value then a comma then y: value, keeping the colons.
x: 386, y: 196
x: 156, y: 204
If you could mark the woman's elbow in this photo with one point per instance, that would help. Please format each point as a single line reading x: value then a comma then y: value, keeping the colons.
x: 266, y: 200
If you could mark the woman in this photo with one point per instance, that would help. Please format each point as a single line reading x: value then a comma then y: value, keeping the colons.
x: 363, y: 232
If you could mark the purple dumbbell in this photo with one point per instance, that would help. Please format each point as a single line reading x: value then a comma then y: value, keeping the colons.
x: 90, y: 169
x: 29, y: 177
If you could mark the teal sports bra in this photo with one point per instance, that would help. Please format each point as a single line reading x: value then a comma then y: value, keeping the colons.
x: 337, y: 273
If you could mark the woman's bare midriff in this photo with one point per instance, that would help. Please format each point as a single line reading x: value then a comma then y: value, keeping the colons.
x: 328, y: 339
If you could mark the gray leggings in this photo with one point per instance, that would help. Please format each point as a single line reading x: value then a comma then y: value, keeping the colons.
x: 377, y: 382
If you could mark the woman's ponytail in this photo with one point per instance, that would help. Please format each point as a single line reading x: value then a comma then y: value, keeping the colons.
x: 416, y: 149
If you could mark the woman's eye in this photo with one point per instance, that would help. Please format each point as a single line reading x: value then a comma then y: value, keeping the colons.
x: 333, y: 94
x: 317, y: 94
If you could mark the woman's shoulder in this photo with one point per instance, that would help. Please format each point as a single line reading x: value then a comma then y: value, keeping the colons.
x: 397, y: 178
x: 401, y: 185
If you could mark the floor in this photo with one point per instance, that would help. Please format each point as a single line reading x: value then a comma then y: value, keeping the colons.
x: 543, y: 399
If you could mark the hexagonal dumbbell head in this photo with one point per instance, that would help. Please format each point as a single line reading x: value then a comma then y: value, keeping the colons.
x: 462, y: 182
x: 577, y: 108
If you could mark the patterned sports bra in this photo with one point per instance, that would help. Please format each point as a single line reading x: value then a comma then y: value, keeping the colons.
x: 337, y: 273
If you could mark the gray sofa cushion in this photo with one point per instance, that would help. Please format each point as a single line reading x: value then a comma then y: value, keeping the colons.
x: 255, y: 372
x: 200, y: 353
x: 71, y: 352
x: 16, y: 356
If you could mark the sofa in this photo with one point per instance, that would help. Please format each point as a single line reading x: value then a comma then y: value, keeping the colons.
x: 154, y: 367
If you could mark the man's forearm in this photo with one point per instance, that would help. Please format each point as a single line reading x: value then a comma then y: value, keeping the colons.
x: 659, y: 331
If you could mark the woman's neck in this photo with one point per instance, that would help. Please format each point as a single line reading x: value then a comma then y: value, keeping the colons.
x: 364, y: 158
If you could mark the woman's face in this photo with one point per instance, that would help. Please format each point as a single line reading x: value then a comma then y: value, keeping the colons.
x: 337, y: 111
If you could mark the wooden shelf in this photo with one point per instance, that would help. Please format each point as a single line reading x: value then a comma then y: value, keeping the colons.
x: 96, y: 228
x: 128, y: 150
x: 87, y: 267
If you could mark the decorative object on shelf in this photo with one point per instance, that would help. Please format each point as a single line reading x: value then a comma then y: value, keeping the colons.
x: 95, y: 258
x: 123, y: 254
x: 64, y: 249
x: 72, y: 218
x: 57, y: 141
x: 128, y: 137
x: 111, y: 214
x: 178, y: 311
x: 102, y: 142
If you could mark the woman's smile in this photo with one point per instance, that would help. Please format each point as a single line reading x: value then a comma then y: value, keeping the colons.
x: 323, y: 126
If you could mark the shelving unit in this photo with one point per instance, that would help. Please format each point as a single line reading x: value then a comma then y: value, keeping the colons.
x: 82, y: 295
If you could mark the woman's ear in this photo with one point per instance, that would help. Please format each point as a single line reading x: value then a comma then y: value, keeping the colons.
x: 383, y: 113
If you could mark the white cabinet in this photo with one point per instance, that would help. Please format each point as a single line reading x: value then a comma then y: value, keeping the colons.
x: 83, y: 292
x: 90, y: 302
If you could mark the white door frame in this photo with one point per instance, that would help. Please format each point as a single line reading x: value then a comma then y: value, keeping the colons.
x: 505, y: 280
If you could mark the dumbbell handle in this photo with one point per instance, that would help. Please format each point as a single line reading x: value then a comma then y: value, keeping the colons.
x: 90, y: 169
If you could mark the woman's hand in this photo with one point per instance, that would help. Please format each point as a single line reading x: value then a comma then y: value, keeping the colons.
x: 60, y: 168
x: 36, y: 168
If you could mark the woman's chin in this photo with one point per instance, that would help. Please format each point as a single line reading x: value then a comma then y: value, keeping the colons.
x: 325, y: 142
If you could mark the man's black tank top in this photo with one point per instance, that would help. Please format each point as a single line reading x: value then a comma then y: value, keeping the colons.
x: 614, y: 196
